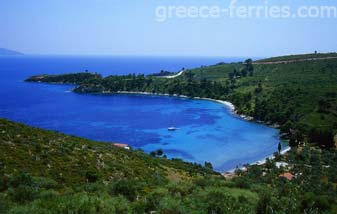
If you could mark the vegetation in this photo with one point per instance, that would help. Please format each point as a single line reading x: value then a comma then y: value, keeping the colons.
x: 163, y: 73
x: 299, y: 97
x: 48, y: 172
x: 76, y: 78
x: 298, y: 57
x: 311, y: 187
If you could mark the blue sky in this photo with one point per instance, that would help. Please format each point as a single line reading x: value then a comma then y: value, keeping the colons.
x: 129, y: 27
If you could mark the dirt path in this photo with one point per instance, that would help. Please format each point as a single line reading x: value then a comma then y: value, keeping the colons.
x: 174, y: 76
x: 291, y: 61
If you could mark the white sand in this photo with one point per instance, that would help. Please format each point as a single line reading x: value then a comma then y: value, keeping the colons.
x: 263, y: 161
x: 227, y: 104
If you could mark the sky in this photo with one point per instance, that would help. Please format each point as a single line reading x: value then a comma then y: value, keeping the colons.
x: 131, y: 27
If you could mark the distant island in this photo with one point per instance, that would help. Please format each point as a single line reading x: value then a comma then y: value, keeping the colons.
x: 7, y: 52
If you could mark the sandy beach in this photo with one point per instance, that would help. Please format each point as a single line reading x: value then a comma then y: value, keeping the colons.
x: 229, y: 105
x: 260, y: 162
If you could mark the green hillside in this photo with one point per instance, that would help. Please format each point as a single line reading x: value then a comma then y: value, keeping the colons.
x: 44, y: 172
x: 48, y: 172
x: 299, y: 57
x: 300, y: 97
x: 69, y: 160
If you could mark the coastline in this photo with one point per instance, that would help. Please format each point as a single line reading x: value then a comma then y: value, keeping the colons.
x: 228, y: 104
x: 259, y: 162
x: 231, y: 108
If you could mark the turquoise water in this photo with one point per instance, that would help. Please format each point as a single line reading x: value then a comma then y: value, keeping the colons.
x: 207, y: 130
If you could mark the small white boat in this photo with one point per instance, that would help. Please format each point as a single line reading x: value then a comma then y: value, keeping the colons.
x: 172, y: 128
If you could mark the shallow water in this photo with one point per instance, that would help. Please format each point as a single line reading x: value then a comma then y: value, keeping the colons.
x: 207, y: 130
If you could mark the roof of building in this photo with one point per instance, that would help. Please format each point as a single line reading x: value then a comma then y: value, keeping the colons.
x: 287, y: 175
x: 122, y: 145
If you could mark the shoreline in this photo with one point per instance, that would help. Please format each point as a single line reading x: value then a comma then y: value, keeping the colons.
x: 228, y: 104
x: 259, y: 162
x: 231, y: 108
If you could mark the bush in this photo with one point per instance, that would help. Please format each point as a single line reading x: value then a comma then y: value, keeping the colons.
x: 169, y: 205
x: 21, y: 178
x: 264, y: 205
x: 22, y: 193
x: 4, y: 205
x: 323, y: 137
x: 83, y: 203
x: 242, y: 183
x: 127, y: 188
x: 215, y: 200
x: 45, y: 183
x: 48, y: 195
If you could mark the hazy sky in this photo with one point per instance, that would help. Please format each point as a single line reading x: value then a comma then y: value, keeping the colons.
x: 129, y: 27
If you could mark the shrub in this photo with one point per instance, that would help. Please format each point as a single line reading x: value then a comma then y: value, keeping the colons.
x: 4, y: 205
x: 45, y: 183
x: 127, y: 188
x: 83, y: 203
x: 169, y: 205
x: 22, y: 193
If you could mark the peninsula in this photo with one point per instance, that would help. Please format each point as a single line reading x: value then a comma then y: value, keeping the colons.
x: 296, y: 93
x: 48, y: 172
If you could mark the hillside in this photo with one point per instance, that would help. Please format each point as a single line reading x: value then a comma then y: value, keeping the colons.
x: 48, y: 172
x: 299, y: 97
x: 300, y: 57
x: 7, y: 52
x: 70, y: 160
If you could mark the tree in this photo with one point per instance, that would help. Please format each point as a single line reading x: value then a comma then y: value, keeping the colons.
x: 244, y: 72
x: 249, y: 66
x: 128, y: 188
x: 208, y: 165
x: 2, y: 178
x: 292, y: 142
x: 159, y: 152
x: 323, y: 105
x: 189, y: 75
x: 264, y: 205
x: 230, y: 75
x: 91, y: 176
x: 259, y: 88
x: 21, y: 187
x: 323, y: 137
x: 279, y: 147
x: 248, y: 61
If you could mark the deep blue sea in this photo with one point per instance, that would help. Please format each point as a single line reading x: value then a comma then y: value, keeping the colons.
x: 207, y: 130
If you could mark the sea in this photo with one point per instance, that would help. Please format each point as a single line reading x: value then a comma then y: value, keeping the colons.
x: 206, y: 131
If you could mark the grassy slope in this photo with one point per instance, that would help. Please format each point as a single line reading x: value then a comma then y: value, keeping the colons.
x: 298, y: 57
x: 132, y: 182
x: 305, y: 82
x: 68, y: 159
x: 125, y: 181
